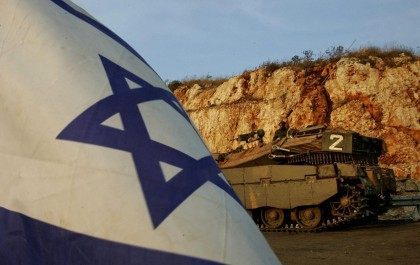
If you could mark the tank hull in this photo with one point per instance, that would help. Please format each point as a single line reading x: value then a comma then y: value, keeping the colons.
x: 302, y: 194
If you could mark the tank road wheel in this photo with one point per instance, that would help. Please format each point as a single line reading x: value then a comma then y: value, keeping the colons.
x: 272, y: 217
x: 348, y: 206
x: 309, y: 217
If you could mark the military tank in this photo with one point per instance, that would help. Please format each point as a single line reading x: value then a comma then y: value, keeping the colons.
x: 311, y: 179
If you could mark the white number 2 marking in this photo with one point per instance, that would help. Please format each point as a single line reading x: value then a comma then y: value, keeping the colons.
x: 339, y: 139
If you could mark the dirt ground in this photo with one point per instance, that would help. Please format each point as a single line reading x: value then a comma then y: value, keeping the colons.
x: 384, y: 243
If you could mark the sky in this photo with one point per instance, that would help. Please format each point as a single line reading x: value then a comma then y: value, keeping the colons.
x: 220, y: 38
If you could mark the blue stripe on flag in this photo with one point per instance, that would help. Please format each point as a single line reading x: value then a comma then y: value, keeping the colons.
x: 24, y: 240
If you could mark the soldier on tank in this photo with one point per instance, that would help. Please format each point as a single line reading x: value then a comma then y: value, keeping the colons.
x: 245, y: 137
x: 260, y: 135
x: 281, y: 131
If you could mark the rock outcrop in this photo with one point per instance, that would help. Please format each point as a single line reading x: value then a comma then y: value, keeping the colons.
x: 367, y: 97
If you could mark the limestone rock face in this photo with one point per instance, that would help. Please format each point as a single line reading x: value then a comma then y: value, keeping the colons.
x: 370, y: 98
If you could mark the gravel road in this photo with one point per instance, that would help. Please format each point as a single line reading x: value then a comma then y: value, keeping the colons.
x: 384, y: 243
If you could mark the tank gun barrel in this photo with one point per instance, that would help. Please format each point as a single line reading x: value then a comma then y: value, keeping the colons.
x: 279, y: 148
x: 275, y: 156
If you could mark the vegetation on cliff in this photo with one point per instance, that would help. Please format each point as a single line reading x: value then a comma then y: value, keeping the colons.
x: 307, y: 61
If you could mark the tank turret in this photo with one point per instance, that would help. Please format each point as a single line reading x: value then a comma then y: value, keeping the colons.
x: 319, y: 145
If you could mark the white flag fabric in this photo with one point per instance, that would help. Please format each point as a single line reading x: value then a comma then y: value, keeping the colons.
x: 99, y: 164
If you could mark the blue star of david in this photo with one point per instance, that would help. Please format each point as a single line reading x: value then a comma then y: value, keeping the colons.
x: 162, y: 197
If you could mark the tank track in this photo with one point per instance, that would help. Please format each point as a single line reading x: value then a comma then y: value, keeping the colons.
x: 330, y: 158
x: 329, y: 225
x: 332, y: 224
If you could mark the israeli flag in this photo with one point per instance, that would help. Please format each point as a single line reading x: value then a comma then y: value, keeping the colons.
x: 99, y: 164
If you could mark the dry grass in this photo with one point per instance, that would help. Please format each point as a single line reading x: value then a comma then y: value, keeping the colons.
x: 307, y: 61
x: 204, y: 82
x: 334, y: 54
x: 388, y: 55
x: 390, y: 52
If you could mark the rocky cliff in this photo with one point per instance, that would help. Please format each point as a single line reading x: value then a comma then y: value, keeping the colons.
x: 367, y: 96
